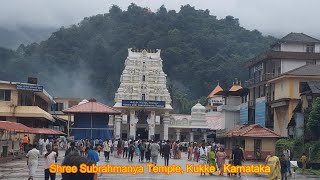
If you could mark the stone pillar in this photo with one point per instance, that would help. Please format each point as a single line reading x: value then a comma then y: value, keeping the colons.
x: 133, y: 123
x: 178, y: 134
x: 166, y: 121
x: 205, y: 136
x: 118, y: 127
x: 151, y: 123
x: 191, y: 136
x: 151, y: 131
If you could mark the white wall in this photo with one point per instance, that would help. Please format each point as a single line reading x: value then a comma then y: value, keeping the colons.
x: 293, y: 47
x: 297, y: 47
x: 290, y: 64
x: 233, y: 100
x: 317, y: 48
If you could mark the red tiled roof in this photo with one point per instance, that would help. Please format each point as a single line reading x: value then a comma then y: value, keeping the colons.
x: 214, y: 122
x: 15, y: 127
x: 47, y: 131
x: 253, y: 130
x: 92, y: 107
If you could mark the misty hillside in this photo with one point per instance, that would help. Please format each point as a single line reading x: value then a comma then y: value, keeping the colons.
x: 87, y: 59
x: 13, y: 37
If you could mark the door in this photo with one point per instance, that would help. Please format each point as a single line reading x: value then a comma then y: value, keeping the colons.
x: 257, y: 149
x: 142, y: 133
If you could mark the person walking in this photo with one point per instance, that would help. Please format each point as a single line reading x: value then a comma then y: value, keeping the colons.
x: 287, y: 154
x: 142, y: 148
x: 125, y: 149
x: 221, y: 159
x: 203, y: 155
x: 25, y: 143
x: 166, y: 153
x: 33, y: 160
x: 237, y: 157
x: 212, y: 158
x: 275, y: 169
x: 190, y: 150
x: 131, y: 151
x: 148, y: 152
x: 50, y: 158
x: 284, y: 167
x: 303, y: 160
x: 154, y: 148
x: 92, y: 155
x: 72, y: 150
x: 106, y: 150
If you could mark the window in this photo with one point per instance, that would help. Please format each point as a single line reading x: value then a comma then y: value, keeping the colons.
x: 311, y: 62
x: 143, y: 78
x: 279, y: 70
x: 59, y: 107
x: 5, y: 95
x: 143, y: 97
x: 310, y: 48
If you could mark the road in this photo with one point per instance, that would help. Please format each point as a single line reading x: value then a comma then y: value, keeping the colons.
x: 17, y: 170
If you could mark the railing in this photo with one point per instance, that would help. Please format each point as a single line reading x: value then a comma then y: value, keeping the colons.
x: 263, y: 77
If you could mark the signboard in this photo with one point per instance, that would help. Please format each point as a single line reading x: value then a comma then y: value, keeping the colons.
x: 29, y: 87
x: 244, y: 115
x: 260, y: 113
x: 140, y: 103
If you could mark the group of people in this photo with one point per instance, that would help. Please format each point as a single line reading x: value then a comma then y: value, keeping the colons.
x: 280, y: 167
x: 73, y: 156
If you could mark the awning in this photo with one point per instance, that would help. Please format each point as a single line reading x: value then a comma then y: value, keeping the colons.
x: 47, y: 131
x: 15, y: 127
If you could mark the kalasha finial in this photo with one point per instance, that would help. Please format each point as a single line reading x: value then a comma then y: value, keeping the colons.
x: 218, y: 82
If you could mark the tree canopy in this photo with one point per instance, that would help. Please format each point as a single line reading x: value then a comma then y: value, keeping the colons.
x: 87, y: 59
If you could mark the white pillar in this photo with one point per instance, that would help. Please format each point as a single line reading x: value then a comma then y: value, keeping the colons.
x: 133, y: 123
x: 118, y: 127
x: 166, y: 122
x: 191, y: 136
x: 151, y: 123
x: 205, y: 136
x: 178, y: 134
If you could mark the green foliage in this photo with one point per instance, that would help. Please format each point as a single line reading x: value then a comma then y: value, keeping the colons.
x: 87, y: 59
x: 313, y: 123
x: 283, y: 143
x: 297, y: 147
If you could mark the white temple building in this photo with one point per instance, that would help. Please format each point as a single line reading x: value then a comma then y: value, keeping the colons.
x: 145, y: 103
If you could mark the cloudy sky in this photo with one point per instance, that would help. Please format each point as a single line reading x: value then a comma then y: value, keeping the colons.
x: 271, y: 17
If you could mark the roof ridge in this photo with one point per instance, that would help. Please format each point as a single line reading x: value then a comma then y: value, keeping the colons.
x: 292, y: 70
x: 310, y: 36
x: 75, y: 106
x: 108, y: 107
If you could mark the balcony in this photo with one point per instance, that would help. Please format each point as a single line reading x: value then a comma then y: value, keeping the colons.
x: 25, y: 111
x: 262, y: 78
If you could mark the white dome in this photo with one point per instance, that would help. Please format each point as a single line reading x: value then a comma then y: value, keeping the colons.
x: 83, y: 101
x: 198, y: 106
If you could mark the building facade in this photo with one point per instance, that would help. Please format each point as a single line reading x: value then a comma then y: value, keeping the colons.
x: 267, y: 96
x: 145, y: 103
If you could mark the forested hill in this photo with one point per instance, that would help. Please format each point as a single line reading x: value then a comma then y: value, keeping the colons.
x: 87, y: 59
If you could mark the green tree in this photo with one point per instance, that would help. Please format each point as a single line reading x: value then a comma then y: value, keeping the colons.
x: 314, y: 118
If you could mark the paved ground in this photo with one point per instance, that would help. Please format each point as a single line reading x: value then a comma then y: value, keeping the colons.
x: 17, y: 170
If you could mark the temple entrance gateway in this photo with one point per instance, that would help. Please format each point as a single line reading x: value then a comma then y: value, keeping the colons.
x: 142, y: 133
x: 143, y: 96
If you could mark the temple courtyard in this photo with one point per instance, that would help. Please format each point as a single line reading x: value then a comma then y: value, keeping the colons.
x: 17, y: 170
